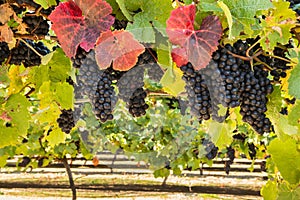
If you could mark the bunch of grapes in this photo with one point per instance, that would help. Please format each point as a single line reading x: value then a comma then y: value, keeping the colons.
x: 66, y: 120
x: 254, y: 99
x: 4, y: 51
x: 230, y: 154
x: 23, y: 54
x: 131, y: 85
x: 197, y: 91
x: 225, y: 77
x: 79, y: 57
x: 104, y: 98
x: 36, y: 25
x: 210, y: 148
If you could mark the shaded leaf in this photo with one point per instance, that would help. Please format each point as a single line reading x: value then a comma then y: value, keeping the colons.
x: 198, y: 44
x: 80, y: 23
x: 118, y: 47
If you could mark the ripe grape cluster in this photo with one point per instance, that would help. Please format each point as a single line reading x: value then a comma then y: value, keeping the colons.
x: 4, y: 51
x: 230, y: 81
x: 197, y: 91
x: 36, y: 24
x: 225, y: 78
x: 23, y: 54
x: 131, y: 85
x: 210, y: 148
x: 66, y: 120
x: 230, y: 154
x: 104, y: 98
x: 254, y: 99
x: 97, y: 85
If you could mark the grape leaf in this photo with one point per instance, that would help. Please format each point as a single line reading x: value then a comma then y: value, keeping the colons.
x: 269, y: 191
x: 5, y: 12
x: 294, y: 114
x: 293, y: 82
x: 80, y: 23
x: 118, y: 47
x: 45, y: 3
x: 221, y: 132
x: 154, y: 14
x: 124, y: 10
x: 198, y: 44
x: 6, y: 34
x: 277, y: 26
x: 17, y: 110
x: 287, y: 158
x: 172, y: 82
x: 56, y: 137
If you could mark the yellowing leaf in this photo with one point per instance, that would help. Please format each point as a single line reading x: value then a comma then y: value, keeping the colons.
x: 56, y: 137
x: 172, y: 82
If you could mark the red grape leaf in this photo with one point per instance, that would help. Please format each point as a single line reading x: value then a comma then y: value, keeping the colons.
x: 118, y: 47
x: 179, y: 56
x: 198, y: 44
x: 80, y: 22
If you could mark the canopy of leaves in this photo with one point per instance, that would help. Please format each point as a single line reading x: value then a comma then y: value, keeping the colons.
x: 242, y: 13
x: 195, y: 46
x: 118, y: 47
x: 80, y: 23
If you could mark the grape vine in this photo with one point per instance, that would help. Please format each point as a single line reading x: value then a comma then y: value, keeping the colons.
x: 173, y: 83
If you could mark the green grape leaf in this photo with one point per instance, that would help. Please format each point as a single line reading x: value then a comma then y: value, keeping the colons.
x: 64, y: 95
x: 164, y: 57
x: 8, y: 135
x: 16, y: 83
x: 48, y: 115
x: 46, y: 3
x: 3, y: 160
x: 163, y: 172
x: 116, y: 9
x: 242, y: 12
x: 46, y: 59
x: 17, y: 108
x: 154, y: 15
x: 287, y: 158
x: 45, y: 95
x: 269, y: 191
x: 276, y: 28
x: 172, y: 82
x: 286, y: 192
x: 221, y: 132
x: 124, y: 10
x: 55, y: 137
x: 293, y: 82
x: 59, y: 66
x: 142, y: 29
x: 294, y: 114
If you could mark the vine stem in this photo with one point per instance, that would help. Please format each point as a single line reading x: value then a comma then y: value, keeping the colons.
x: 35, y: 37
x: 35, y: 51
x: 280, y: 58
x: 71, y: 180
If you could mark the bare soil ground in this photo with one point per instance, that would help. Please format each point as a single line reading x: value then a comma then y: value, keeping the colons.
x: 129, y: 180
